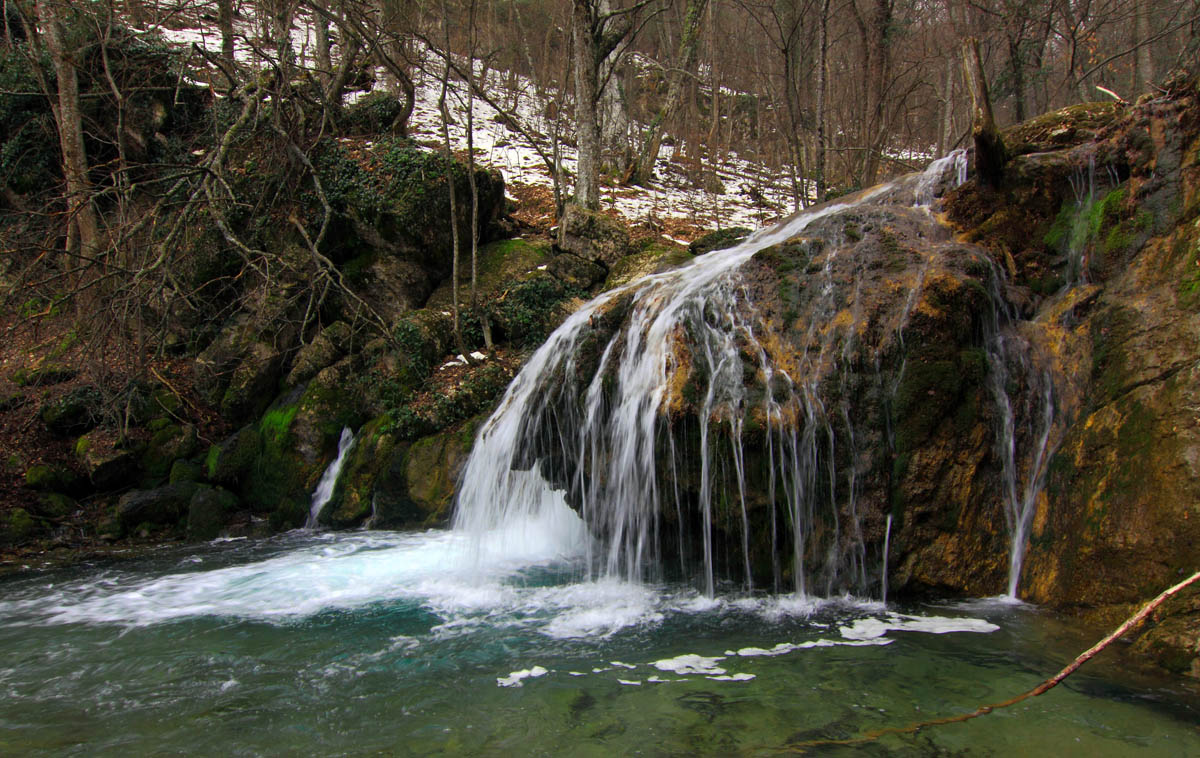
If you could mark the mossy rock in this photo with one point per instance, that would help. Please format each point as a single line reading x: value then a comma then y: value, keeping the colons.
x: 653, y: 260
x: 167, y: 445
x: 252, y: 383
x: 108, y: 463
x: 207, y: 511
x: 54, y: 505
x: 593, y: 236
x: 353, y: 498
x: 231, y: 460
x: 185, y: 471
x: 326, y: 348
x: 12, y: 401
x: 500, y: 263
x: 1073, y: 125
x: 43, y: 375
x: 74, y: 413
x: 575, y: 271
x: 433, y: 465
x: 719, y: 240
x: 48, y: 477
x: 17, y: 527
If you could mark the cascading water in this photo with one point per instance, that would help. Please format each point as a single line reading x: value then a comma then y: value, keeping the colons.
x: 324, y: 490
x: 591, y: 422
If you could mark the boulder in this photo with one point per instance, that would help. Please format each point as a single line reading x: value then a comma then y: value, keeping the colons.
x: 326, y: 348
x: 230, y: 461
x: 51, y: 477
x: 108, y: 463
x: 593, y: 236
x: 574, y: 271
x: 162, y: 506
x: 654, y: 259
x: 718, y: 240
x: 76, y: 412
x: 167, y: 445
x: 208, y: 510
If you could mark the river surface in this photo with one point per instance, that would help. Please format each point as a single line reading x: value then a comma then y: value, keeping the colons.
x: 399, y: 644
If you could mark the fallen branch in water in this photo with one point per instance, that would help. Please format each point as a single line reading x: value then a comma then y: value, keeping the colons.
x: 1049, y: 684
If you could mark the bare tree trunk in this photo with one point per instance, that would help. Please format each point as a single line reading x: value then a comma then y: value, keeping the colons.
x: 587, y: 126
x: 989, y: 147
x: 822, y: 86
x: 455, y: 243
x: 225, y: 24
x: 947, y: 126
x: 70, y: 131
x: 1144, y: 63
x: 322, y: 55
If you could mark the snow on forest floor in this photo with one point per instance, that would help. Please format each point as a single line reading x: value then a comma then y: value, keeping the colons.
x: 684, y: 200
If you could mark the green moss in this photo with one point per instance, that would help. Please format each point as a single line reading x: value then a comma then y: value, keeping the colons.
x: 276, y: 422
x: 1188, y: 290
x: 210, y: 461
x: 927, y: 392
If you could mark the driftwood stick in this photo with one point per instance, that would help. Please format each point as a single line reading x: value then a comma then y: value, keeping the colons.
x: 1049, y: 684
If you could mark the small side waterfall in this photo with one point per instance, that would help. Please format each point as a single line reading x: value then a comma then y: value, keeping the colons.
x: 324, y: 490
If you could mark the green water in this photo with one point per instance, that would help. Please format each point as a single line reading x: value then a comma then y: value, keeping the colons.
x: 391, y: 644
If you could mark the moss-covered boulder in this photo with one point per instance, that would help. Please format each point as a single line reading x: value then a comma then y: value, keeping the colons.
x: 355, y: 496
x: 575, y: 272
x: 76, y: 412
x: 207, y: 512
x: 593, y: 236
x: 52, y: 477
x: 167, y: 445
x: 718, y: 240
x: 432, y: 467
x: 231, y: 460
x: 653, y: 259
x: 109, y: 463
x: 326, y: 348
x: 43, y: 374
x: 500, y: 264
x: 18, y: 526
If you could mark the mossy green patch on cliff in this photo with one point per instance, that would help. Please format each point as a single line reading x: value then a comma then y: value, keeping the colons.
x: 1111, y: 329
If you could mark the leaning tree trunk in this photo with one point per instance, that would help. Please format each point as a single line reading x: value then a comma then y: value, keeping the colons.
x: 685, y: 58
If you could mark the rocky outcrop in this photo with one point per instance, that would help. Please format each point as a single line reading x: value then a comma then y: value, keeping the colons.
x: 593, y: 236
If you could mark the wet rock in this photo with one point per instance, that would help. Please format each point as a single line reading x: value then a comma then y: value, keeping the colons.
x: 252, y: 383
x: 432, y: 467
x: 17, y: 526
x: 593, y: 236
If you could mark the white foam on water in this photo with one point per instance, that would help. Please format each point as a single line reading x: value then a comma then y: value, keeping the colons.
x: 629, y: 682
x: 731, y: 677
x: 517, y: 678
x: 690, y: 663
x: 873, y: 628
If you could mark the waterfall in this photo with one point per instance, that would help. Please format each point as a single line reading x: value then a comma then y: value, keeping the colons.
x: 593, y: 423
x: 887, y: 544
x: 324, y: 490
